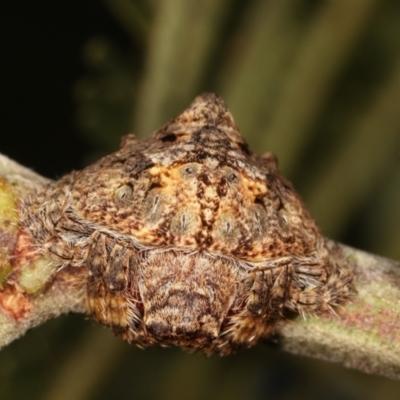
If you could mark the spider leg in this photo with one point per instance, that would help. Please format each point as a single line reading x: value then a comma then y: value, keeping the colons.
x: 270, y: 290
x: 108, y: 262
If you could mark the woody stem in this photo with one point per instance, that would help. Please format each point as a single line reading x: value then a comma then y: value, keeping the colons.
x: 364, y: 334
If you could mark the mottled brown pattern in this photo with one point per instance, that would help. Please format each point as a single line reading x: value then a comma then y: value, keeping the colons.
x: 190, y: 239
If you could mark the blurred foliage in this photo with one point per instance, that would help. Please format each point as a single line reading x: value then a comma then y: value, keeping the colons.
x: 318, y: 83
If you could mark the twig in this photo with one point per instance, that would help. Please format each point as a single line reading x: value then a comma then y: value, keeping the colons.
x: 32, y: 289
x: 364, y: 334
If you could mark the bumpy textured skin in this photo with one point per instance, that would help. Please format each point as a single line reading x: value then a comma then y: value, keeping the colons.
x: 189, y: 238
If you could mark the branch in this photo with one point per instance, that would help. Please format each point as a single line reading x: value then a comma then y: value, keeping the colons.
x: 32, y: 288
x: 364, y: 334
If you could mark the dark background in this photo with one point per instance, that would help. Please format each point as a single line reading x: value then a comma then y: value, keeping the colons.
x: 43, y: 59
x: 318, y: 82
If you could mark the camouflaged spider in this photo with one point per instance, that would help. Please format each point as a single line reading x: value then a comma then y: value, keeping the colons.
x: 189, y: 238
